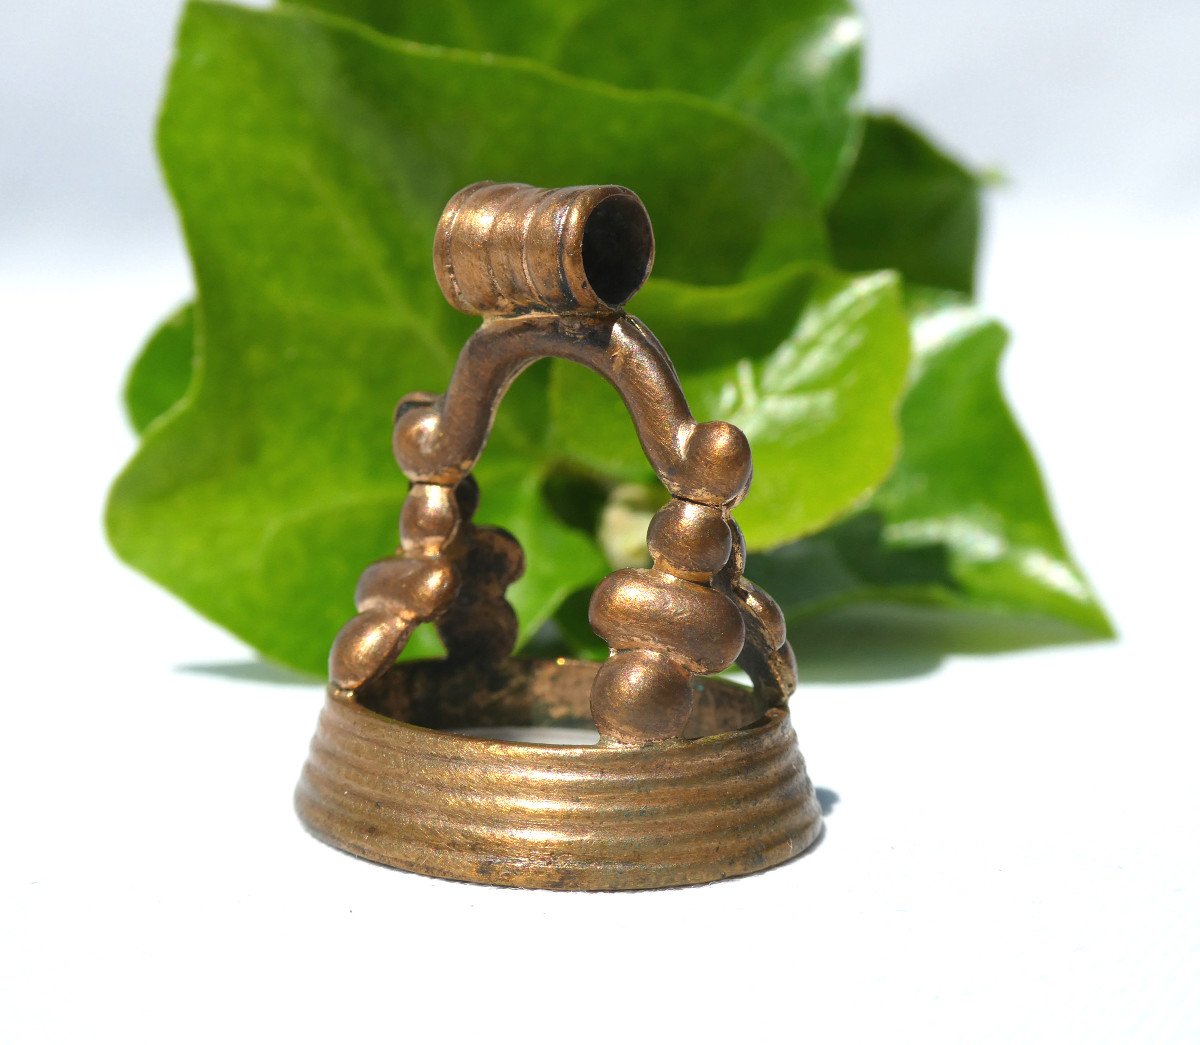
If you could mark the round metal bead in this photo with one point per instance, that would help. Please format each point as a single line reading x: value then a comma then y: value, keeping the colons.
x: 366, y: 645
x: 690, y: 540
x: 420, y: 587
x: 429, y: 519
x: 641, y: 696
x: 716, y: 464
x: 414, y: 441
x: 766, y: 610
x: 649, y: 609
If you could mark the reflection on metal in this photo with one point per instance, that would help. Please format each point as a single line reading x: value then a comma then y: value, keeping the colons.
x: 694, y: 779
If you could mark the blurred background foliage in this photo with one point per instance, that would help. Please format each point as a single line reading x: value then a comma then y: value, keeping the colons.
x: 813, y: 285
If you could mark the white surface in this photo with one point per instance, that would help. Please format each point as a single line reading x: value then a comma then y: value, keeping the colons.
x: 1013, y: 853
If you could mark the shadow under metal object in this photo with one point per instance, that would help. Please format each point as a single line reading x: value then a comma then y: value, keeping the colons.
x: 694, y: 778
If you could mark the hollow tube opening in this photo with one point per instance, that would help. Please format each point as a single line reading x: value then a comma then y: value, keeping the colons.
x: 618, y: 249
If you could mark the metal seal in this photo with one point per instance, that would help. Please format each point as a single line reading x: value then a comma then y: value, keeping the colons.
x: 694, y: 778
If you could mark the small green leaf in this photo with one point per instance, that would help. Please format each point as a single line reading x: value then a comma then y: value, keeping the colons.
x: 963, y: 521
x: 809, y: 363
x: 906, y: 205
x: 559, y: 558
x: 160, y: 376
x: 793, y: 67
x: 310, y: 159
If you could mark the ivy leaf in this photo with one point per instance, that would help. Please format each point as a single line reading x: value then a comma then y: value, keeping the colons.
x: 310, y: 159
x: 793, y: 67
x: 908, y: 206
x: 809, y: 363
x: 160, y: 376
x: 963, y: 521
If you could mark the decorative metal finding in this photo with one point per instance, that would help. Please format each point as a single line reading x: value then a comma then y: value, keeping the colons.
x: 694, y: 778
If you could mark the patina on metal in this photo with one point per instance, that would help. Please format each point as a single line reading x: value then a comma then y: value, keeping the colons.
x: 694, y: 778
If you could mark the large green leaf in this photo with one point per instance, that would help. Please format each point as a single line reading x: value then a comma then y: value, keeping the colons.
x: 310, y: 157
x: 809, y: 363
x: 907, y: 205
x: 794, y: 67
x: 963, y: 521
x: 309, y: 160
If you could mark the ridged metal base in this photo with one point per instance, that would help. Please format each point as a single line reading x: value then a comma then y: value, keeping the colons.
x: 381, y: 784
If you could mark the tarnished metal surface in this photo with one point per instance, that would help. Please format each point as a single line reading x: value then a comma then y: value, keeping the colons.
x: 425, y: 799
x: 548, y: 270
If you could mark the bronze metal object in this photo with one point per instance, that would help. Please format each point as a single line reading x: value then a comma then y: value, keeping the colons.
x: 694, y: 778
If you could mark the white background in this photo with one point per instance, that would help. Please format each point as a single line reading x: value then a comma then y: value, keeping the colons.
x: 1013, y: 851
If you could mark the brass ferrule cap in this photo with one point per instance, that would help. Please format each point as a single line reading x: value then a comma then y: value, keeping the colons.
x: 504, y: 249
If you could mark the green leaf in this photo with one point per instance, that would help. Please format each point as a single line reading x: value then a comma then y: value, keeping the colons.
x: 963, y: 521
x: 310, y: 159
x: 559, y: 557
x: 809, y: 363
x: 160, y: 376
x: 906, y: 205
x: 793, y: 67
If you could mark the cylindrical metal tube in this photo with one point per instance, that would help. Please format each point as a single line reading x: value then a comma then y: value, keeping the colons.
x: 503, y: 249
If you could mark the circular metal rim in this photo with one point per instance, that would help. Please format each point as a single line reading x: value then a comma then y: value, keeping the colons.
x: 551, y: 816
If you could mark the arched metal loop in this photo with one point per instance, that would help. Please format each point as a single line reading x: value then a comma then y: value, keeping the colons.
x: 548, y: 270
